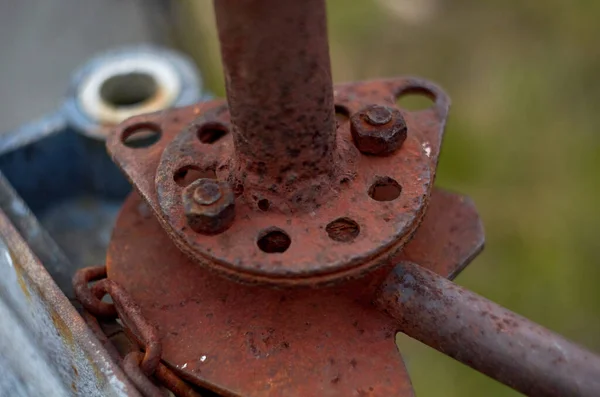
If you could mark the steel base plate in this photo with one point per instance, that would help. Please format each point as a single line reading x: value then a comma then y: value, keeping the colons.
x: 197, y: 139
x: 251, y: 341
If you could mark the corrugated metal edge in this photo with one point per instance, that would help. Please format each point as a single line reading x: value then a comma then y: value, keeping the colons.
x: 61, y: 334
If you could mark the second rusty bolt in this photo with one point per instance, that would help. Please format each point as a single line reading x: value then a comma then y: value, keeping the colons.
x: 378, y: 130
x: 207, y: 193
x: 209, y: 206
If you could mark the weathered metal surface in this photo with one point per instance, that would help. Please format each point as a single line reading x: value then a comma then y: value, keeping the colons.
x: 312, y: 256
x: 252, y: 341
x: 293, y: 342
x: 486, y: 336
x: 131, y: 366
x: 46, y: 348
x: 37, y: 239
x: 166, y: 377
x: 311, y: 210
x: 378, y: 130
x: 58, y: 186
x: 280, y: 95
x: 449, y: 238
x: 25, y: 371
x: 131, y: 316
x: 209, y: 206
x: 84, y: 295
x: 96, y: 328
x: 139, y: 367
x: 174, y: 383
x: 71, y: 116
x: 64, y: 347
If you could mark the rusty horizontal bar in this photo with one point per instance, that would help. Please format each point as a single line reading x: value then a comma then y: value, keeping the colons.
x: 486, y: 336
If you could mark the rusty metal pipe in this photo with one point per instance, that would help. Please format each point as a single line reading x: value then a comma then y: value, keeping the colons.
x: 486, y: 336
x: 279, y: 90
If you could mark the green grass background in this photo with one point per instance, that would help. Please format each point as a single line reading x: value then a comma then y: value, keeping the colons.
x: 522, y: 141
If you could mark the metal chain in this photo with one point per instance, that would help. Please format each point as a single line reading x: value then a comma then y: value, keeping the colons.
x: 140, y: 367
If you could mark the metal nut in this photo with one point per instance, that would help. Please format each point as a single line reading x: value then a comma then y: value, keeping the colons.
x: 378, y: 130
x: 209, y: 206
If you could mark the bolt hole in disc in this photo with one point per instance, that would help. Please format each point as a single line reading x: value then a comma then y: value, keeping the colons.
x: 273, y: 241
x: 129, y: 89
x: 211, y: 132
x: 264, y: 204
x: 185, y: 175
x: 316, y: 258
x: 238, y: 189
x: 141, y: 135
x: 343, y: 230
x: 342, y: 113
x: 385, y: 189
x: 415, y: 98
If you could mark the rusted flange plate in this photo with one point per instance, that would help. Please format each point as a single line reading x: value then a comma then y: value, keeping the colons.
x: 369, y: 212
x: 449, y: 238
x: 247, y: 340
x: 252, y: 341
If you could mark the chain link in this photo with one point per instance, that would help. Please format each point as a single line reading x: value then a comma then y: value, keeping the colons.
x: 140, y: 367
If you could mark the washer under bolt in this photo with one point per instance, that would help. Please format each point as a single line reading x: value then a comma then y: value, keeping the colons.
x: 378, y: 129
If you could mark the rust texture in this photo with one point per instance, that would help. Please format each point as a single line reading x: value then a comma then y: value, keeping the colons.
x: 378, y: 130
x: 81, y: 280
x: 94, y: 325
x: 166, y: 377
x: 385, y: 223
x: 291, y: 342
x: 131, y: 367
x: 139, y: 367
x: 486, y: 336
x: 449, y: 238
x: 174, y: 383
x: 277, y: 343
x: 280, y: 95
x: 209, y: 206
x: 77, y: 356
x: 267, y: 188
x: 131, y: 315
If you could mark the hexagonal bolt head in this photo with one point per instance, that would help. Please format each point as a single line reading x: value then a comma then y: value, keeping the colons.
x: 209, y: 206
x: 378, y: 130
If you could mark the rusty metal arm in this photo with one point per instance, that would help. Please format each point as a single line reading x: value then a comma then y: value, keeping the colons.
x: 285, y: 196
x: 486, y: 336
x: 280, y: 95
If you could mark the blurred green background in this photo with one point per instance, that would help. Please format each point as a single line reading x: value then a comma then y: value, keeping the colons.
x: 522, y: 142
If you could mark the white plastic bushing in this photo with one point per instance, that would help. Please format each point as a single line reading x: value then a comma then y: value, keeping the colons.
x: 128, y: 82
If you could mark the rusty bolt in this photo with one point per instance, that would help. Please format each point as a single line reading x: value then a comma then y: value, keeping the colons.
x: 209, y: 206
x: 378, y: 129
x: 378, y: 115
x: 207, y: 193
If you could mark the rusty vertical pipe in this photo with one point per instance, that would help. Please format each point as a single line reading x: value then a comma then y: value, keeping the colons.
x: 279, y: 90
x: 486, y: 336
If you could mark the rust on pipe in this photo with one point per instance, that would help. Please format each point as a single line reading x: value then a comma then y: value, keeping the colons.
x: 279, y: 90
x: 486, y: 336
